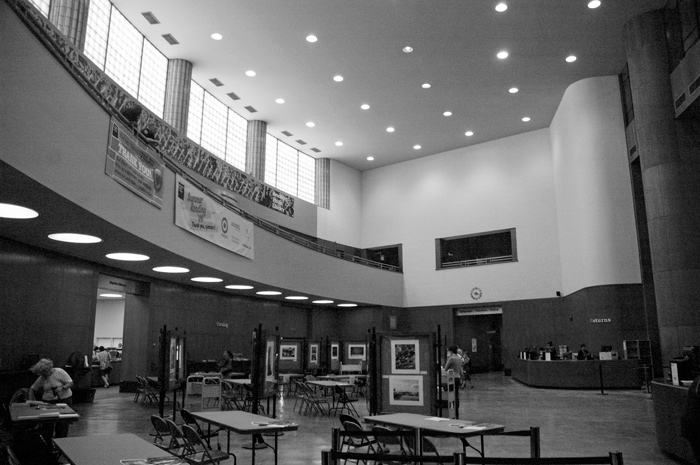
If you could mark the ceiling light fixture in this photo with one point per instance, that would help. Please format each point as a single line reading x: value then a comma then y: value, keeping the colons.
x: 268, y: 293
x: 407, y: 49
x: 279, y: 100
x: 526, y: 119
x: 322, y: 301
x: 310, y: 124
x: 311, y: 38
x: 75, y: 238
x: 469, y: 133
x: 296, y: 297
x: 426, y: 86
x: 513, y: 90
x: 242, y: 287
x: 171, y: 269
x: 206, y: 279
x: 501, y: 7
x: 570, y: 58
x: 127, y: 257
x: 502, y: 55
x: 15, y: 212
x: 417, y: 147
x: 347, y: 305
x: 390, y: 129
x: 111, y: 295
x: 217, y: 36
x: 448, y: 113
x: 339, y: 144
x: 338, y: 78
x: 594, y: 4
x: 370, y: 158
x: 250, y: 73
x: 365, y: 106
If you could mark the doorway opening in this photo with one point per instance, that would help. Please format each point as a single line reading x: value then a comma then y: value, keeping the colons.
x: 477, y: 331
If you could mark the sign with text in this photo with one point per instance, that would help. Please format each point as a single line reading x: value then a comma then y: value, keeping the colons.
x: 203, y: 217
x: 134, y: 165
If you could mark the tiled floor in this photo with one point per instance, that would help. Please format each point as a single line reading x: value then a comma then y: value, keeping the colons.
x: 572, y: 423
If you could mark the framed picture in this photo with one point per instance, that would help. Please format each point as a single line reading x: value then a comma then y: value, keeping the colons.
x: 288, y: 352
x: 313, y: 353
x: 405, y: 356
x: 334, y: 351
x: 406, y: 390
x: 356, y: 351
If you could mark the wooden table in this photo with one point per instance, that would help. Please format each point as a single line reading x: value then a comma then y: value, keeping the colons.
x: 246, y: 423
x: 107, y: 449
x: 438, y: 426
x: 40, y: 412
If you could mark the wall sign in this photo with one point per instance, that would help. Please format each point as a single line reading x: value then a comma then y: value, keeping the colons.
x: 223, y: 325
x: 601, y: 320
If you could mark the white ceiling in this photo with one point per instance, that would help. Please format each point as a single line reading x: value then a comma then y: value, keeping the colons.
x: 455, y: 44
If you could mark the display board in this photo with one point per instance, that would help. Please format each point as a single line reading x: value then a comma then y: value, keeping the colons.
x: 292, y: 355
x: 406, y: 373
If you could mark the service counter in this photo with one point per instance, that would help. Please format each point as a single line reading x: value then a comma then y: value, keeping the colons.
x: 669, y: 403
x: 579, y: 374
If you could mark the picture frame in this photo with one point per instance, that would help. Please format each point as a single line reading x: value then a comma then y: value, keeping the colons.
x: 406, y: 390
x: 313, y: 354
x: 288, y: 352
x: 357, y: 351
x: 335, y: 351
x: 405, y: 356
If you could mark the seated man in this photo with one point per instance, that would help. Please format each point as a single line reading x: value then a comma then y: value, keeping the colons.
x: 583, y: 353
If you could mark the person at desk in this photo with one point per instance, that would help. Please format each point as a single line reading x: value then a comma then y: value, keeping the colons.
x: 549, y: 349
x: 55, y: 385
x: 226, y: 364
x: 583, y: 353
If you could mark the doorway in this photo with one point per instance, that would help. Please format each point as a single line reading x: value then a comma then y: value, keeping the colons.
x: 478, y: 332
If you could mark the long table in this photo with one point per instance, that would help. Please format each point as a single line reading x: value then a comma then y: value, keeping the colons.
x: 108, y: 449
x: 40, y: 412
x: 422, y: 424
x: 246, y: 423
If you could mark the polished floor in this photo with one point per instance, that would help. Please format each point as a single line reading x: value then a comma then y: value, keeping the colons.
x: 572, y: 423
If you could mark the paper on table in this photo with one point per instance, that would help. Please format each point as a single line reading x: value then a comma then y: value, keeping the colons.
x: 437, y: 419
x: 278, y: 423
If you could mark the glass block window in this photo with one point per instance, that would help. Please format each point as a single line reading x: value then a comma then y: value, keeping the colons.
x: 154, y: 73
x: 236, y: 138
x: 124, y: 47
x: 194, y: 117
x: 271, y: 160
x: 214, y: 116
x: 307, y: 178
x: 42, y: 6
x: 97, y: 31
x: 287, y: 168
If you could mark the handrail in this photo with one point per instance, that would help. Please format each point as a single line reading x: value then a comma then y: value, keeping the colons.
x: 477, y: 261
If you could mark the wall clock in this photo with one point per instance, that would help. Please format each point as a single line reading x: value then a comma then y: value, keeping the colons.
x: 476, y: 293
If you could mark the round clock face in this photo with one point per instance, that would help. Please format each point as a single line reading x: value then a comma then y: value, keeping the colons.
x: 476, y: 293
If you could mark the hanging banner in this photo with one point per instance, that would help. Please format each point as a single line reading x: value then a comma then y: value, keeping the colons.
x: 203, y: 217
x: 133, y: 165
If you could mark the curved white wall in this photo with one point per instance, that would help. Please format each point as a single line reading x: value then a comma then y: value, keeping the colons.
x: 597, y: 233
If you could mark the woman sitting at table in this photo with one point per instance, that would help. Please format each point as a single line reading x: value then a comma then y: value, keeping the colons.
x: 56, y: 386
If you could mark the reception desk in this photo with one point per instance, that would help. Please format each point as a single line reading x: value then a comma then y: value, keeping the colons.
x: 669, y: 403
x: 579, y: 374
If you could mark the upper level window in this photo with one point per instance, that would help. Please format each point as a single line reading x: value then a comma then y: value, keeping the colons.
x: 42, y: 6
x: 476, y: 249
x: 290, y: 170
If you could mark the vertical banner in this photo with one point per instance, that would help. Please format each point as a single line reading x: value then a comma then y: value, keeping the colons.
x: 133, y: 165
x: 202, y: 216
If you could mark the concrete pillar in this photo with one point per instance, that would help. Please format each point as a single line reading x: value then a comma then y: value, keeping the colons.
x: 323, y: 182
x: 670, y: 171
x: 255, y: 148
x: 70, y: 17
x: 177, y: 94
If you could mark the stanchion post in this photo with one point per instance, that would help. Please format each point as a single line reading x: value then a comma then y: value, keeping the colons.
x: 535, y: 442
x: 600, y: 372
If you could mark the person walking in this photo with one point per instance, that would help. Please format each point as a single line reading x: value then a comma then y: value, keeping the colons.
x: 105, y: 365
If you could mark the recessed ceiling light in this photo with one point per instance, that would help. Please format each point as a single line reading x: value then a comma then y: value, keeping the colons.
x: 268, y: 293
x: 322, y: 301
x: 501, y: 7
x: 242, y: 287
x: 250, y: 73
x: 111, y: 295
x: 370, y: 158
x: 75, y: 238
x: 502, y: 55
x: 296, y: 297
x: 469, y: 133
x: 310, y: 124
x: 127, y: 257
x: 513, y: 90
x: 426, y: 86
x: 594, y: 4
x: 206, y: 279
x: 364, y: 106
x: 407, y: 49
x: 217, y: 36
x: 390, y: 129
x: 279, y: 100
x: 171, y: 269
x: 448, y: 113
x: 347, y: 305
x: 570, y: 58
x: 338, y: 78
x: 339, y: 143
x: 311, y: 38
x: 526, y: 119
x: 416, y: 147
x: 16, y: 212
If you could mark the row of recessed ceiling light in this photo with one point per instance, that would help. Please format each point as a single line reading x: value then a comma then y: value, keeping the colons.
x: 503, y: 54
x: 11, y: 211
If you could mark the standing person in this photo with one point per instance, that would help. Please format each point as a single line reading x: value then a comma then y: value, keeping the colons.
x: 690, y: 422
x: 226, y: 364
x: 466, y: 367
x: 105, y: 365
x: 55, y: 385
x: 454, y: 363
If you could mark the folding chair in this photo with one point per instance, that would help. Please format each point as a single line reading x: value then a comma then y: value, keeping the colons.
x: 177, y: 445
x: 193, y: 423
x: 198, y: 452
x: 161, y: 431
x: 343, y: 402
